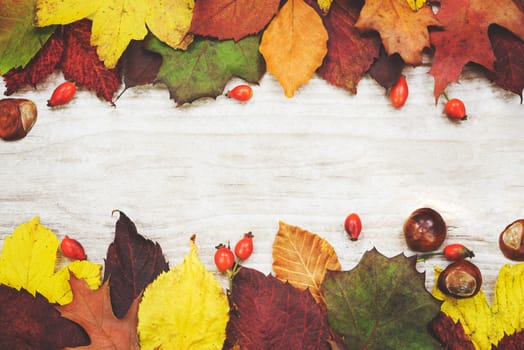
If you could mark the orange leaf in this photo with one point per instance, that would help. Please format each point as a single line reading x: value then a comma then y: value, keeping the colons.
x: 294, y: 45
x: 401, y: 29
x: 302, y: 258
x: 92, y: 310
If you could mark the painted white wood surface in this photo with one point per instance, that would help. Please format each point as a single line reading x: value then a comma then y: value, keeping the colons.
x: 219, y: 168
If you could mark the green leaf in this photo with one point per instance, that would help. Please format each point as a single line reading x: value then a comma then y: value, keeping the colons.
x: 381, y: 304
x: 19, y: 40
x: 207, y: 65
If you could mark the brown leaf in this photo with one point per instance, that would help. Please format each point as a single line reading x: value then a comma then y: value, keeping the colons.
x: 294, y: 45
x: 401, y: 29
x: 302, y: 258
x: 449, y: 333
x: 92, y: 310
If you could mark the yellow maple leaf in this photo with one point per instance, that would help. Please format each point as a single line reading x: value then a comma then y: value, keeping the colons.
x: 487, y: 325
x: 416, y: 4
x: 302, y: 258
x: 117, y: 22
x: 188, y: 304
x: 28, y: 261
x: 294, y: 45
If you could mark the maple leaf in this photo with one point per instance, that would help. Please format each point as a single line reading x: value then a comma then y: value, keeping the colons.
x: 302, y: 258
x: 92, y: 310
x: 294, y: 45
x: 271, y: 314
x: 381, y: 304
x: 349, y: 53
x: 187, y: 304
x: 232, y: 19
x: 465, y: 36
x: 31, y: 322
x: 132, y: 263
x: 486, y: 326
x: 386, y: 70
x: 69, y: 49
x: 28, y: 262
x: 116, y: 23
x: 401, y: 29
x: 204, y: 69
x: 19, y: 39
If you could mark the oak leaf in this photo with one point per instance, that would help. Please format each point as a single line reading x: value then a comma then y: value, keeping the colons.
x: 232, y: 19
x: 132, y: 263
x: 271, y: 314
x: 20, y: 41
x: 117, y: 22
x: 187, y: 304
x: 381, y: 304
x: 31, y: 322
x: 28, y: 261
x: 465, y: 36
x: 204, y: 69
x: 294, y: 45
x: 92, y: 310
x: 303, y: 258
x: 401, y: 29
x: 349, y: 53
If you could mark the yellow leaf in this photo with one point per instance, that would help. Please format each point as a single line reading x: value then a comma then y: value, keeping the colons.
x: 302, y: 258
x: 487, y: 325
x: 324, y: 5
x: 294, y: 45
x: 117, y: 22
x: 188, y: 304
x: 416, y: 4
x: 28, y: 261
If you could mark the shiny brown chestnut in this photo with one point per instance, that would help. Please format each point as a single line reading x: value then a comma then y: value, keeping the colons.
x: 511, y: 241
x: 425, y: 230
x: 461, y: 279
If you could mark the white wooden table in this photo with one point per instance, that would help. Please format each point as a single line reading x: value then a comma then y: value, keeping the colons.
x: 220, y: 168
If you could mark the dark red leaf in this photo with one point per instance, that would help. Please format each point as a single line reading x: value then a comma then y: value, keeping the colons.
x: 449, y: 333
x: 513, y: 341
x: 28, y: 322
x: 139, y: 66
x: 270, y: 314
x: 132, y: 263
x: 386, y: 70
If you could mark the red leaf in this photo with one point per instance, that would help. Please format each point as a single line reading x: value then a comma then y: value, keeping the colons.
x: 270, y: 314
x: 513, y: 341
x: 232, y: 19
x: 81, y: 63
x: 386, y: 70
x: 350, y: 54
x: 132, y: 263
x: 28, y: 322
x: 450, y: 334
x: 139, y: 66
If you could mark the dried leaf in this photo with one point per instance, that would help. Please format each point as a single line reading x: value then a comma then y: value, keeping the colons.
x: 381, y: 304
x: 270, y: 314
x: 92, y: 310
x: 302, y: 258
x: 28, y: 262
x: 139, y: 66
x: 132, y: 263
x: 188, y: 304
x: 402, y: 30
x: 294, y: 45
x: 450, y: 333
x: 386, y: 70
x: 232, y: 19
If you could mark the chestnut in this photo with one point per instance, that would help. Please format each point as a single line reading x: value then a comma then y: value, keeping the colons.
x: 17, y: 117
x: 425, y: 230
x: 461, y: 279
x: 510, y: 241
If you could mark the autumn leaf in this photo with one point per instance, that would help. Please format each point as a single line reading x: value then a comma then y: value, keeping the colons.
x: 465, y: 36
x: 20, y: 41
x: 381, y: 304
x: 302, y: 258
x: 92, y: 310
x: 349, y: 54
x: 294, y: 45
x: 28, y: 262
x: 325, y: 5
x: 204, y: 69
x: 132, y: 263
x: 416, y: 4
x: 401, y: 29
x: 270, y: 314
x: 188, y: 304
x: 487, y: 326
x: 116, y: 23
x: 386, y: 70
x: 450, y: 333
x: 232, y: 19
